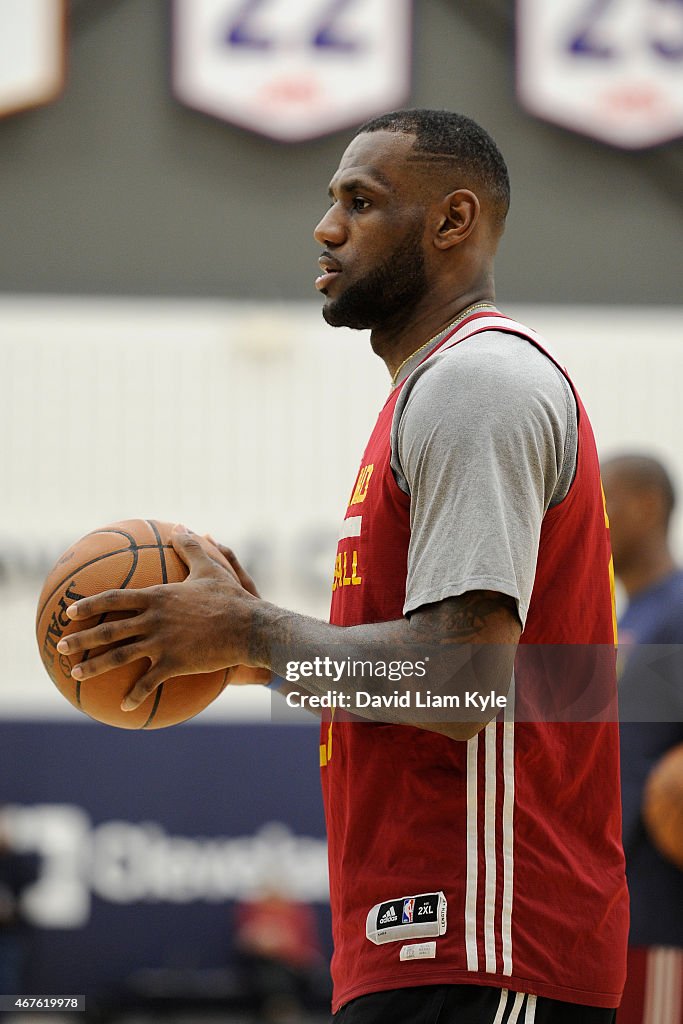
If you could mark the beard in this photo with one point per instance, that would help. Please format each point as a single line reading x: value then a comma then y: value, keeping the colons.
x: 386, y: 293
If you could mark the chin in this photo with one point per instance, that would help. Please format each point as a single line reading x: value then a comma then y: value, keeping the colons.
x: 337, y: 314
x: 335, y: 319
x: 330, y: 317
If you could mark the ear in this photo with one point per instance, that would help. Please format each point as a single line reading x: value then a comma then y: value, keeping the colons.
x: 458, y: 214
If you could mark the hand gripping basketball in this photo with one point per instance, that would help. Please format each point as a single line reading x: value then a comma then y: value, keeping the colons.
x: 197, y: 626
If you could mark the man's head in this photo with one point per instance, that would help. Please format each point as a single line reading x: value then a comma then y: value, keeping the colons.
x: 640, y: 500
x: 454, y: 152
x: 419, y: 196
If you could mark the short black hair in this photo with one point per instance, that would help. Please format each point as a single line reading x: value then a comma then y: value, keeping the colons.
x: 645, y: 472
x: 454, y: 138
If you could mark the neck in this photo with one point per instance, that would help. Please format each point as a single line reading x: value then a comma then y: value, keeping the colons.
x: 651, y: 565
x: 395, y: 343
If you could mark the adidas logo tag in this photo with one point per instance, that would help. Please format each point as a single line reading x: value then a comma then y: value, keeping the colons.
x: 390, y: 916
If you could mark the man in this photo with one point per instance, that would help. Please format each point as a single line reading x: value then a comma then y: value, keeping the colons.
x: 476, y: 870
x: 640, y: 502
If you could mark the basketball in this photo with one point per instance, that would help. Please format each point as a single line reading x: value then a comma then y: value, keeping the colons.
x: 136, y: 553
x: 663, y: 805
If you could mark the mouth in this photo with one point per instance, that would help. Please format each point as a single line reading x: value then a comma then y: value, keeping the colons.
x: 330, y: 270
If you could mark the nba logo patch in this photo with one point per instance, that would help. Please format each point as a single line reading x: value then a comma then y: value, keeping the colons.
x: 408, y: 910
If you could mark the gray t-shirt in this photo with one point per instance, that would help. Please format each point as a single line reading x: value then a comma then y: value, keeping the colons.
x: 484, y: 440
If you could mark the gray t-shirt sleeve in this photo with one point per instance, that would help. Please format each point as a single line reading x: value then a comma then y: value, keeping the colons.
x: 484, y: 441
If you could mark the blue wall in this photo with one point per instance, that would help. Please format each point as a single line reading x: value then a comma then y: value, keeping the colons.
x: 144, y: 839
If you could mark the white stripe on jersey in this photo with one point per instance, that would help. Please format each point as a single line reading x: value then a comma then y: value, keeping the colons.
x: 508, y: 827
x: 471, y: 838
x: 491, y: 929
x: 663, y: 986
x: 490, y: 734
x: 350, y: 527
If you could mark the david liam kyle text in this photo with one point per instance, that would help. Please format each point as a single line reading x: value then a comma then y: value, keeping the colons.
x: 360, y: 699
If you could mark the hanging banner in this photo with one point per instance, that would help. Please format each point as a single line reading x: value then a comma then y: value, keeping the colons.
x: 611, y: 69
x: 292, y: 71
x: 32, y: 53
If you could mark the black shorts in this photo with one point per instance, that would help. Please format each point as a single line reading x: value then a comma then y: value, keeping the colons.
x: 465, y: 1004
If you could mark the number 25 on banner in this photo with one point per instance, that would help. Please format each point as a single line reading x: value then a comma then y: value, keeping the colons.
x: 292, y: 71
x: 612, y: 69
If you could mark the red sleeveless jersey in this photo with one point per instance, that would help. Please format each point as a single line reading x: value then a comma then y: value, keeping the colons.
x: 508, y: 845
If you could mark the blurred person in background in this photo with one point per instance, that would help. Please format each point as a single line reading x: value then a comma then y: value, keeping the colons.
x: 279, y: 955
x: 640, y: 501
x: 17, y: 872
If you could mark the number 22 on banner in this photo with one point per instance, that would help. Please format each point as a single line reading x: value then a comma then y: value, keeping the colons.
x: 292, y: 71
x: 326, y: 32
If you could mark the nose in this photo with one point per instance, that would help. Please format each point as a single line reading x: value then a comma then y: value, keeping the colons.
x: 330, y: 231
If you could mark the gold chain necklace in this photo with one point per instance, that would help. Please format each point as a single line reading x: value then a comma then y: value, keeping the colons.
x: 459, y: 317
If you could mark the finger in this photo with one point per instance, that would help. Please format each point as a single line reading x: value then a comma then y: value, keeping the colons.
x: 241, y: 573
x: 124, y: 654
x: 145, y: 685
x: 216, y: 554
x: 188, y: 546
x: 110, y: 632
x: 231, y: 558
x: 111, y: 601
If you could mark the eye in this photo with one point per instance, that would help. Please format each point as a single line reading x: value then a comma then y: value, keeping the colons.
x: 359, y: 203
